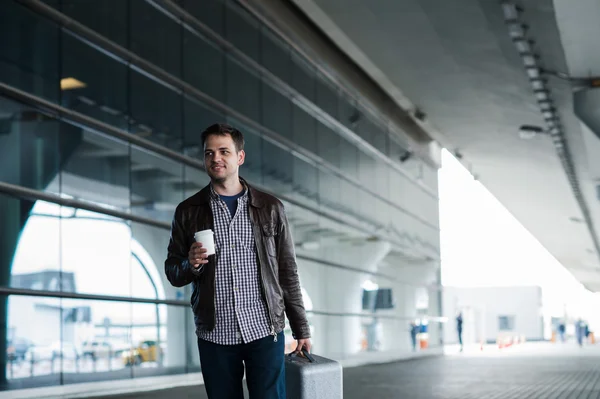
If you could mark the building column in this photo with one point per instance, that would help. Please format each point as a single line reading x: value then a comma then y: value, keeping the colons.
x: 342, y: 293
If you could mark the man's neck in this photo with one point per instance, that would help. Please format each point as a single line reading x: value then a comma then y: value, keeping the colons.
x: 229, y: 187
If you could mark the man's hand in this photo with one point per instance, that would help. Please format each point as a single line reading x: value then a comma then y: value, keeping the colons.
x: 197, y: 255
x: 303, y: 343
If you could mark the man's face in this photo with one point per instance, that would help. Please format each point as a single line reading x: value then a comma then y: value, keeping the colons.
x: 221, y: 159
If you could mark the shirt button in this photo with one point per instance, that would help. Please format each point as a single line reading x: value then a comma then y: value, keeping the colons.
x: 232, y: 245
x: 235, y: 288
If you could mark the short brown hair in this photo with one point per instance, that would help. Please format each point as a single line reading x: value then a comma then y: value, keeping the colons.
x: 223, y: 129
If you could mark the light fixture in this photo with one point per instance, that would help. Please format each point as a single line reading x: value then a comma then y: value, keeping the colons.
x: 537, y: 84
x: 511, y: 13
x: 541, y: 94
x: 523, y: 46
x: 71, y: 84
x: 549, y: 114
x: 529, y: 60
x: 528, y: 132
x: 517, y: 31
x: 533, y: 72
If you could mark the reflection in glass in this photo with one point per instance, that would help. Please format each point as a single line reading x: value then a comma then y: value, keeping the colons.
x: 34, y: 346
x: 35, y: 70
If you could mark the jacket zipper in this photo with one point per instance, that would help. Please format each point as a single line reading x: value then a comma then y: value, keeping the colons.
x: 262, y: 280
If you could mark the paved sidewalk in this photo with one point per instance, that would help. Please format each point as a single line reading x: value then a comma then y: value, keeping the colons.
x: 530, y: 371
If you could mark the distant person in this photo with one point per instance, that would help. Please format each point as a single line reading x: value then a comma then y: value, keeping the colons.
x: 586, y: 331
x: 561, y: 331
x: 580, y: 331
x: 414, y: 329
x: 459, y: 329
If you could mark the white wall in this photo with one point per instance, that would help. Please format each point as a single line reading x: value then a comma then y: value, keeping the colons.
x: 482, y: 306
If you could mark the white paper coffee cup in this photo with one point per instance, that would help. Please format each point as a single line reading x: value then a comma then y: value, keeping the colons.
x: 207, y: 238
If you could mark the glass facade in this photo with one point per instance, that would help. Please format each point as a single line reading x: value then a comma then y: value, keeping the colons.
x: 99, y: 138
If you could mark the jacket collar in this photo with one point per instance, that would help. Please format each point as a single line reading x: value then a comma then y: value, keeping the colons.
x: 255, y: 197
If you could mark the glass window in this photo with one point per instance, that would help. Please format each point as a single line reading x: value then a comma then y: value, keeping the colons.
x: 243, y: 90
x: 348, y: 158
x: 303, y: 77
x: 203, y: 65
x: 366, y: 169
x: 155, y: 112
x: 148, y: 254
x: 94, y: 340
x: 275, y: 55
x: 305, y: 179
x: 107, y: 17
x: 194, y: 181
x: 304, y: 129
x: 209, y: 12
x: 29, y: 60
x: 156, y: 185
x: 327, y: 96
x: 276, y: 112
x: 41, y: 222
x: 97, y: 169
x: 29, y: 147
x: 242, y: 30
x: 97, y: 84
x: 277, y: 168
x: 506, y: 323
x: 329, y: 144
x: 381, y: 179
x: 197, y: 117
x: 155, y: 37
x: 329, y: 189
x: 349, y: 115
x: 33, y: 342
x: 95, y: 254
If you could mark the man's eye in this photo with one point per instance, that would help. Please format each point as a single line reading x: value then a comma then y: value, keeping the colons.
x: 225, y: 152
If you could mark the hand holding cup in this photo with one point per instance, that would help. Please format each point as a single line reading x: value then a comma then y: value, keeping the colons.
x: 197, y: 255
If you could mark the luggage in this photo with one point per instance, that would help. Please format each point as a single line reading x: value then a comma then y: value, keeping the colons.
x: 312, y: 377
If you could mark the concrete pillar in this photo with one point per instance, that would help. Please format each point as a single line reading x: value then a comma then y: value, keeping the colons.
x: 342, y: 292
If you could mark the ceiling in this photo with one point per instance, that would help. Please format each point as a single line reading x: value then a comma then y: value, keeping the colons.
x: 456, y: 62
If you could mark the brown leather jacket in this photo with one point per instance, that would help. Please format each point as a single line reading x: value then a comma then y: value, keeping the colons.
x: 276, y: 258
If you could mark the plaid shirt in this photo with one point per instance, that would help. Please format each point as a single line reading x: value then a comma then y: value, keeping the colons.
x: 240, y: 310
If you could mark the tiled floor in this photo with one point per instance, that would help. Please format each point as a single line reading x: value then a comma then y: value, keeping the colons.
x: 531, y: 371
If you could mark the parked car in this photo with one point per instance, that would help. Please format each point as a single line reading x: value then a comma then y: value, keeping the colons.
x: 146, y: 351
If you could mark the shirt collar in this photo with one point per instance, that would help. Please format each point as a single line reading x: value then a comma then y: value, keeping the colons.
x: 215, y: 196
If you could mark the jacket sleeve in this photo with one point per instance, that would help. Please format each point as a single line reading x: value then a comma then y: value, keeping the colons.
x: 178, y: 269
x: 289, y: 280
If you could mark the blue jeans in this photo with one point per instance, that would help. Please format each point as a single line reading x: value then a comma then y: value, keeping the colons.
x: 223, y: 368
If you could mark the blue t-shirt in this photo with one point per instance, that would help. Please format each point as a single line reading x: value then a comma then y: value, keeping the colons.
x: 231, y: 201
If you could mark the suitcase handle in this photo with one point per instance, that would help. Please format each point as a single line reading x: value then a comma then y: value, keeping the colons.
x: 306, y: 354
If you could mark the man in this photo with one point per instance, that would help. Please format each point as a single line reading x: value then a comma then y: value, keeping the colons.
x: 239, y: 294
x: 414, y: 330
x: 459, y: 329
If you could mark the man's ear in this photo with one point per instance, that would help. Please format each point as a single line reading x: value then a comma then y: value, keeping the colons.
x: 241, y: 157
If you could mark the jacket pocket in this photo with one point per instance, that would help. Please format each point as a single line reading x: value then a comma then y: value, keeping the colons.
x: 269, y: 231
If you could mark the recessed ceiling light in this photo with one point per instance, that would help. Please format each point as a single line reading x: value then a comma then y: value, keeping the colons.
x: 71, y: 83
x: 528, y: 132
